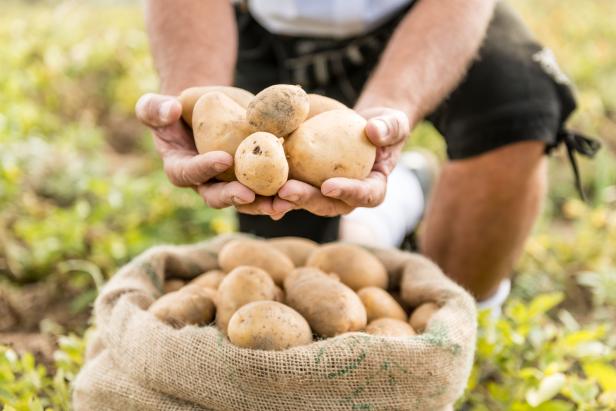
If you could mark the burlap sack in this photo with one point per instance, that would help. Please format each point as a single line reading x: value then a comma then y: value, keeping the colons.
x: 138, y: 363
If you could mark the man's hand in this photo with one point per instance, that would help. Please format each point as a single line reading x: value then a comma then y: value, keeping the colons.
x: 184, y: 166
x: 387, y: 129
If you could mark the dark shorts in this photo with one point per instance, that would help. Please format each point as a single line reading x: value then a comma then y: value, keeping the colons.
x: 513, y: 91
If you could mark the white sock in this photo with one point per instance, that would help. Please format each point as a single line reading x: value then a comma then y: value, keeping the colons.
x: 387, y: 224
x: 496, y: 301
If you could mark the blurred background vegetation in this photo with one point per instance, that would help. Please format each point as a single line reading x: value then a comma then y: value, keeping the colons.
x: 82, y: 192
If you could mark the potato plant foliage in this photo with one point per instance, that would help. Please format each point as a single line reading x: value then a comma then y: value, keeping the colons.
x: 82, y: 191
x: 79, y: 179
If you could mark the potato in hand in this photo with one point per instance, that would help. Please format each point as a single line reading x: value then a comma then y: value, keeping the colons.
x: 188, y: 98
x: 330, y: 144
x: 219, y: 124
x: 278, y: 109
x: 261, y: 164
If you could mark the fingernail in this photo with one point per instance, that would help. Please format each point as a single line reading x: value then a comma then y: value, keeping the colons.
x: 220, y: 166
x: 382, y: 128
x: 139, y: 107
x: 333, y: 193
x: 292, y: 198
x: 277, y: 217
x: 286, y: 208
x: 239, y: 201
x: 164, y: 111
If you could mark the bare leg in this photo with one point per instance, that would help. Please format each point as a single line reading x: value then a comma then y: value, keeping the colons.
x: 482, y: 211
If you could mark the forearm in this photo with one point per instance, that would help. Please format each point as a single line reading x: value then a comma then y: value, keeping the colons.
x: 193, y: 42
x: 427, y: 55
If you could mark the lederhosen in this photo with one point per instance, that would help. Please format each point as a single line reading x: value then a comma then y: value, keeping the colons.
x: 513, y: 91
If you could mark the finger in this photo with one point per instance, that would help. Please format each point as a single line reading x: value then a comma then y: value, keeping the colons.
x: 221, y: 195
x: 387, y: 158
x: 388, y: 129
x: 282, y: 206
x: 184, y: 169
x: 260, y: 206
x: 310, y: 198
x: 156, y: 110
x: 369, y: 192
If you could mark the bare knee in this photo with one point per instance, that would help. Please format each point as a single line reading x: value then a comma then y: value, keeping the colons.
x: 492, y: 200
x: 510, y: 170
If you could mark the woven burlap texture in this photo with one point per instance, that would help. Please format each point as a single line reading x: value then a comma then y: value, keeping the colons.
x: 135, y: 362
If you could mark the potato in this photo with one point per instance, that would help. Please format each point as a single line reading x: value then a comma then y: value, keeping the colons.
x: 268, y: 325
x: 379, y: 304
x: 421, y: 315
x: 219, y: 124
x: 319, y: 104
x: 173, y: 285
x: 261, y: 164
x: 390, y: 327
x: 279, y: 295
x: 329, y: 306
x: 355, y: 266
x: 257, y: 254
x: 189, y: 305
x: 189, y: 97
x: 278, y: 109
x: 210, y: 279
x: 241, y: 286
x: 418, y: 268
x: 296, y: 248
x: 330, y: 144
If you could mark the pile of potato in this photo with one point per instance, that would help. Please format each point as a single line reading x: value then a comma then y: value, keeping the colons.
x: 281, y: 293
x: 280, y: 133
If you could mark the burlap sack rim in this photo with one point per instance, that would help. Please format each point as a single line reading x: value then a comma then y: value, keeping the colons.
x: 132, y: 304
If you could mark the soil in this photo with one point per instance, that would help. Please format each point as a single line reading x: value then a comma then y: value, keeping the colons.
x: 23, y: 309
x: 42, y: 346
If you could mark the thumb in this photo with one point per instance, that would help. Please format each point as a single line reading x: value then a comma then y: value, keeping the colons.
x: 388, y: 129
x: 156, y: 110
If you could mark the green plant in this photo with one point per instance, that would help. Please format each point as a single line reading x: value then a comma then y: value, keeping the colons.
x: 28, y: 386
x: 527, y: 360
x: 66, y: 96
x: 82, y: 191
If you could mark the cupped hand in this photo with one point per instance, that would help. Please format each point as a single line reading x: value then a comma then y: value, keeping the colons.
x: 387, y: 129
x: 183, y: 165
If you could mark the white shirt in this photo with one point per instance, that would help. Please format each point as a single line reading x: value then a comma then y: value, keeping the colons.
x: 323, y: 18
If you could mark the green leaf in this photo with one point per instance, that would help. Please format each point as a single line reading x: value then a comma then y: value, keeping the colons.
x: 499, y: 392
x: 554, y: 405
x: 83, y: 301
x: 548, y: 388
x: 581, y: 391
x: 517, y: 311
x: 604, y: 374
x: 544, y: 303
x: 573, y: 339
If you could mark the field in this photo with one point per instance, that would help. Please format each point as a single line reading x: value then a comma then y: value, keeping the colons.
x: 82, y: 192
